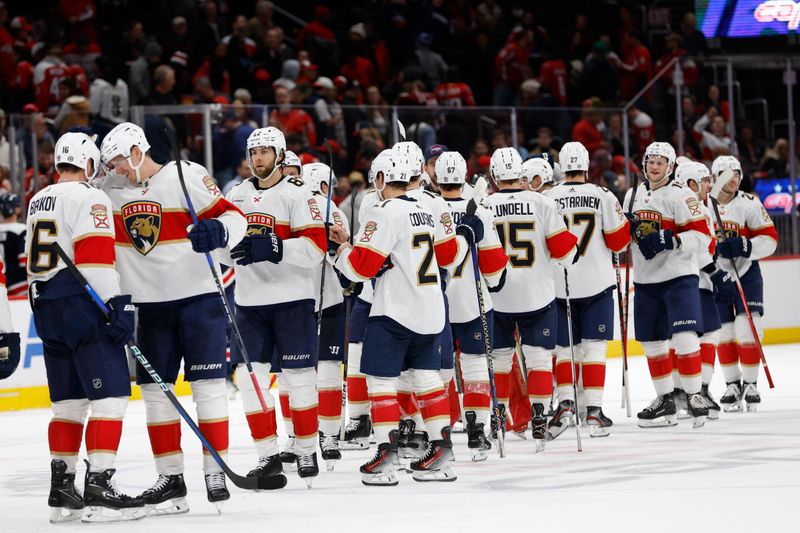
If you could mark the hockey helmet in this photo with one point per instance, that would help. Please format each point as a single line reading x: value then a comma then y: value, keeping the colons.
x: 722, y: 163
x: 269, y: 137
x: 413, y: 154
x: 451, y: 169
x: 537, y: 166
x: 315, y: 174
x: 505, y: 165
x: 78, y: 149
x: 120, y: 141
x: 574, y: 157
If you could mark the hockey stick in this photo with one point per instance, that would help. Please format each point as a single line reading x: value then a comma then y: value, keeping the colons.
x: 623, y: 329
x: 348, y: 308
x: 249, y: 483
x: 624, y: 334
x: 220, y: 289
x: 742, y: 297
x: 572, y: 361
x: 327, y: 237
x: 498, y: 411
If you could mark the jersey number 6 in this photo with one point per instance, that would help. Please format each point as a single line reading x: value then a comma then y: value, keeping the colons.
x: 42, y: 255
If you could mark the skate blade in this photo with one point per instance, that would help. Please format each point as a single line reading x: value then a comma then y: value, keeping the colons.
x: 355, y: 444
x: 599, y: 431
x: 98, y: 514
x: 59, y: 515
x: 684, y: 415
x: 698, y: 421
x: 752, y: 407
x: 713, y: 414
x: 661, y: 422
x: 732, y: 407
x: 175, y: 506
x: 444, y: 474
x: 520, y: 434
x: 330, y: 464
x: 384, y: 479
x: 218, y: 505
x: 479, y: 455
x: 539, y: 445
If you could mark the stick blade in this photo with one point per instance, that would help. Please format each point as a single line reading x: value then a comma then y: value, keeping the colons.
x: 480, y: 188
x: 271, y: 482
x: 401, y: 130
x: 724, y: 177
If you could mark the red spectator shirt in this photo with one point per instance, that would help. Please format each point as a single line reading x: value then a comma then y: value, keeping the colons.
x: 362, y: 70
x: 510, y: 64
x: 48, y: 92
x: 455, y: 95
x: 314, y: 29
x: 553, y: 75
x: 587, y: 133
x: 644, y: 130
x: 295, y: 121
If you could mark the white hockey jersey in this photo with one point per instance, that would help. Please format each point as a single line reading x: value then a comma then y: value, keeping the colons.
x: 532, y: 233
x: 448, y: 248
x: 491, y: 261
x: 155, y: 259
x: 333, y: 290
x: 705, y: 257
x: 80, y: 219
x: 594, y: 216
x: 290, y: 210
x: 370, y: 200
x: 745, y: 216
x: 109, y: 101
x: 670, y: 207
x: 410, y: 291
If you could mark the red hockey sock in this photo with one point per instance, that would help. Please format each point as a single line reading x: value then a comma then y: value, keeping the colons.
x: 216, y: 432
x: 64, y: 436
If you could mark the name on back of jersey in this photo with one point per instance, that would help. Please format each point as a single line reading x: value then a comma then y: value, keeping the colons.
x: 45, y: 203
x: 578, y: 202
x: 517, y: 208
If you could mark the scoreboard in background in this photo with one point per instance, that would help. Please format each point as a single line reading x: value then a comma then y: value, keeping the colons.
x: 747, y: 18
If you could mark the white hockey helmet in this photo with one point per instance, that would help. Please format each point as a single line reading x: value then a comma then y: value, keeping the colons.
x: 722, y: 163
x: 451, y: 169
x: 691, y: 170
x: 291, y: 159
x: 120, y: 141
x: 77, y: 149
x: 505, y: 165
x: 574, y: 157
x: 393, y: 166
x: 537, y: 166
x: 372, y: 172
x: 413, y: 153
x: 661, y: 149
x: 269, y: 137
x: 558, y: 174
x: 315, y: 174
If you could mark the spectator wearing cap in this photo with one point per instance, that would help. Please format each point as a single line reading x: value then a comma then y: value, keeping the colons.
x: 290, y: 120
x: 328, y: 111
x: 139, y: 78
x: 431, y: 154
x: 179, y: 40
x: 599, y: 73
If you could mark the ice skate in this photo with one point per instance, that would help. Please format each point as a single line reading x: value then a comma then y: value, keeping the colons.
x: 307, y: 467
x: 539, y: 427
x: 356, y: 434
x: 436, y: 464
x: 381, y: 470
x: 698, y: 410
x: 599, y: 424
x: 411, y: 444
x: 216, y: 490
x: 289, y: 454
x: 65, y: 502
x: 752, y: 398
x: 713, y: 406
x: 562, y: 419
x: 166, y: 496
x: 267, y: 467
x: 681, y: 404
x: 104, y: 503
x: 329, y: 444
x: 731, y: 401
x: 476, y: 439
x: 660, y: 413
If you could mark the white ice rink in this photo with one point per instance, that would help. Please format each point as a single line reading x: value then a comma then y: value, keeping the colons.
x: 741, y: 473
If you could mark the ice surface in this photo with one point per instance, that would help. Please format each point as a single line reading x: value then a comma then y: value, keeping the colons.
x: 741, y: 473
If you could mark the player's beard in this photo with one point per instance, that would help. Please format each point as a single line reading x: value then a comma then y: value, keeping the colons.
x: 264, y: 173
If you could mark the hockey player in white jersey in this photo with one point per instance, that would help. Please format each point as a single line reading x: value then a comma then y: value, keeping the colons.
x: 533, y: 235
x: 464, y: 313
x: 537, y: 174
x: 87, y: 369
x: 669, y: 230
x: 274, y: 296
x: 161, y: 263
x: 715, y: 285
x: 405, y: 321
x: 594, y: 216
x: 748, y: 235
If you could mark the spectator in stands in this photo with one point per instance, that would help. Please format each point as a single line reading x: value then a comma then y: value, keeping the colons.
x: 642, y: 128
x: 139, y: 74
x: 489, y: 16
x: 292, y: 121
x: 230, y: 142
x: 239, y: 53
x: 5, y: 147
x: 377, y: 110
x: 474, y: 163
x: 553, y: 75
x: 357, y: 66
x: 261, y: 23
x: 204, y: 93
x: 713, y: 99
x: 108, y: 96
x: 751, y: 151
x: 43, y: 173
x: 693, y: 39
x: 179, y: 40
x: 588, y: 130
x: 544, y: 144
x: 163, y: 84
x: 215, y: 69
x: 52, y: 58
x: 615, y: 136
x: 599, y: 73
x: 329, y: 112
x: 75, y: 111
x: 133, y: 43
x: 481, y: 61
x: 209, y: 34
x: 35, y: 126
x: 318, y: 38
x: 242, y: 173
x: 453, y: 92
x: 6, y: 49
x: 641, y: 66
x: 431, y: 62
x: 714, y: 142
x: 580, y: 43
x: 776, y: 160
x: 275, y: 52
x: 511, y: 67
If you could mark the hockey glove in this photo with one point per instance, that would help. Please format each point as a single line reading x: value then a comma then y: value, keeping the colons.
x: 9, y: 354
x: 208, y: 235
x: 384, y: 267
x: 500, y: 283
x: 467, y: 223
x: 120, y: 319
x: 633, y: 220
x: 258, y: 248
x: 349, y: 287
x: 734, y: 247
x: 724, y: 287
x: 657, y: 242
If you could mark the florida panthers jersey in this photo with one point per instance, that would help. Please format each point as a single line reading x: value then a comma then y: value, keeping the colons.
x: 447, y: 247
x: 12, y: 244
x: 409, y: 292
x: 370, y: 200
x: 745, y: 216
x: 79, y: 218
x: 333, y: 291
x: 594, y: 216
x: 154, y: 256
x: 491, y: 262
x: 532, y: 233
x: 670, y: 207
x: 290, y: 210
x: 705, y: 257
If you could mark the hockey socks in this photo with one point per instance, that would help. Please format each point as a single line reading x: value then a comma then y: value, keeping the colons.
x: 211, y: 398
x: 164, y: 430
x: 329, y: 386
x: 263, y: 427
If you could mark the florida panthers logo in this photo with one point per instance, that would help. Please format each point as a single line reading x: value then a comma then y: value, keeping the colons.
x: 729, y: 229
x: 649, y: 222
x: 143, y: 223
x: 259, y: 224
